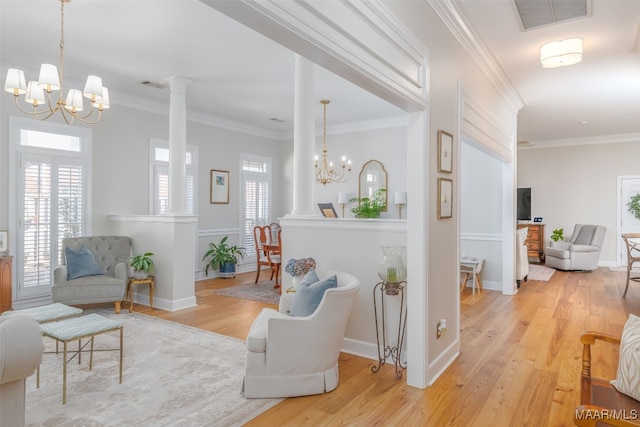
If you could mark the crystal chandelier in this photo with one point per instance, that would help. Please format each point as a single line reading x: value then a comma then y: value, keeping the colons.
x: 327, y: 173
x: 48, y: 81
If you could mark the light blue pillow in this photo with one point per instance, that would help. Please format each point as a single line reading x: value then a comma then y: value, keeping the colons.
x: 309, y: 279
x: 81, y: 263
x: 309, y: 294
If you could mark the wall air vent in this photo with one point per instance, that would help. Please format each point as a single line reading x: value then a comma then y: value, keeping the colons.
x: 541, y: 13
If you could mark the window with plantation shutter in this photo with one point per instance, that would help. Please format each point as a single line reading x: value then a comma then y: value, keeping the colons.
x: 159, y: 183
x: 51, y: 198
x: 255, y: 198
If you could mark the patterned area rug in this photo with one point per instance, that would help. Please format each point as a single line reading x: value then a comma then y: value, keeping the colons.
x: 173, y: 375
x: 540, y: 272
x: 262, y: 292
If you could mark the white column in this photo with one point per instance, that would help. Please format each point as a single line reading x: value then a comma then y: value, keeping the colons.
x: 303, y: 137
x: 177, y: 144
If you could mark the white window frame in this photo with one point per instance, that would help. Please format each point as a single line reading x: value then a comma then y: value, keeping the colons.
x: 16, y: 153
x: 155, y: 166
x: 241, y: 197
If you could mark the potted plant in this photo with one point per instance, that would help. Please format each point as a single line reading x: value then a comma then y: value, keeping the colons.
x: 142, y: 265
x: 634, y: 206
x: 557, y: 235
x: 223, y: 258
x: 370, y: 207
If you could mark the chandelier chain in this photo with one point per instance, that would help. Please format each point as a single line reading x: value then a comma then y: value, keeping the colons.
x: 326, y: 173
x: 38, y: 93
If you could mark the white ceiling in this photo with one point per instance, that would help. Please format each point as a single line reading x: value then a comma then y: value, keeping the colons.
x: 241, y: 76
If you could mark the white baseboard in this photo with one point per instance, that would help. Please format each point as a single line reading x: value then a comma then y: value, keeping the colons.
x: 165, y: 304
x: 443, y: 361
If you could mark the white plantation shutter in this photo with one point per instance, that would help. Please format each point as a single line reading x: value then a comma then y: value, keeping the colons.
x: 161, y: 189
x: 51, y: 200
x: 70, y: 201
x: 256, y: 199
x: 53, y: 208
x: 36, y: 218
x: 159, y: 184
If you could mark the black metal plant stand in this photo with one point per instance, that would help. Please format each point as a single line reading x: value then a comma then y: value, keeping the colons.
x: 385, y: 351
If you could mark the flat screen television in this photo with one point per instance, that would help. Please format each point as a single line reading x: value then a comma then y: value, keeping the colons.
x: 524, y: 204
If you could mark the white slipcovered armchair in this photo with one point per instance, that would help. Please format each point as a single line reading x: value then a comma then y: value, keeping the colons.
x: 581, y: 252
x: 297, y: 356
x: 21, y: 350
x: 522, y: 258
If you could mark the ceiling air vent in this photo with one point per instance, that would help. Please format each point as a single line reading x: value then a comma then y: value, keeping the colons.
x: 157, y: 85
x: 541, y: 13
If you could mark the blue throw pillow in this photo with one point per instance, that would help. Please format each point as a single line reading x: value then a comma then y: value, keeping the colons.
x: 308, y: 295
x: 81, y: 263
x: 308, y: 279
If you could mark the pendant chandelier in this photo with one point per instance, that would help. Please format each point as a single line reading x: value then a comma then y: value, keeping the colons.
x: 48, y: 81
x: 326, y: 173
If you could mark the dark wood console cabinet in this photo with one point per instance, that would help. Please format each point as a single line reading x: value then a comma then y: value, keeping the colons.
x: 535, y: 240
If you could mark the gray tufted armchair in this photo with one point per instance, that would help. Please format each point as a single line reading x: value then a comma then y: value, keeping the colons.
x: 582, y: 252
x: 112, y: 253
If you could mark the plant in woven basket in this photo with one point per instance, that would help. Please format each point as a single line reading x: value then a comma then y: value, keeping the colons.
x: 634, y: 206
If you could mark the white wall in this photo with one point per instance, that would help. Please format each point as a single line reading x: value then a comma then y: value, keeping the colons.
x: 120, y: 148
x: 450, y: 66
x: 578, y: 184
x: 480, y: 212
x: 388, y: 146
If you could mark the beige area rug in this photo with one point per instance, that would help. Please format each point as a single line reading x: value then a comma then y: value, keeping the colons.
x: 540, y: 272
x: 262, y: 292
x: 173, y: 375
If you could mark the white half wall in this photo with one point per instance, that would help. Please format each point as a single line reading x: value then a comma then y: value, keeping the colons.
x: 352, y: 246
x: 169, y: 238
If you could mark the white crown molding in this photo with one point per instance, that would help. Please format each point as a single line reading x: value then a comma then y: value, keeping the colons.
x: 358, y: 40
x: 458, y: 24
x: 476, y: 122
x: 591, y: 140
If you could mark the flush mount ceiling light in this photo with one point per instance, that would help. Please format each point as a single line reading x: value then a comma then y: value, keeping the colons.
x: 561, y: 53
x: 48, y: 81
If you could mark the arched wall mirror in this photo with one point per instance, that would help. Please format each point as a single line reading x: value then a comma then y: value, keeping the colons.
x: 373, y: 176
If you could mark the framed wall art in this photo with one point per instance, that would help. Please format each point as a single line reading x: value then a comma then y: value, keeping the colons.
x: 219, y: 186
x: 445, y: 198
x: 327, y: 210
x: 445, y: 152
x: 4, y: 242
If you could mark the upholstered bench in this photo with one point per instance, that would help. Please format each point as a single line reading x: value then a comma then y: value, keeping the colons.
x: 77, y: 329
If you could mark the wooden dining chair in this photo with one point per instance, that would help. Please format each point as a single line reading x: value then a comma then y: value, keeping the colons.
x: 267, y: 252
x: 600, y: 402
x: 632, y: 241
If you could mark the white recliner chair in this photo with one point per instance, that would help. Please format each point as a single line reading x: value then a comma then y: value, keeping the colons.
x: 297, y: 356
x: 522, y: 259
x: 581, y: 252
x: 21, y: 350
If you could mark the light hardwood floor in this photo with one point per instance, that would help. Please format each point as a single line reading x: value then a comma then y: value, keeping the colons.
x: 519, y: 364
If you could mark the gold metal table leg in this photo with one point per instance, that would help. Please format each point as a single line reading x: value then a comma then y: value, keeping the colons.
x: 64, y: 375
